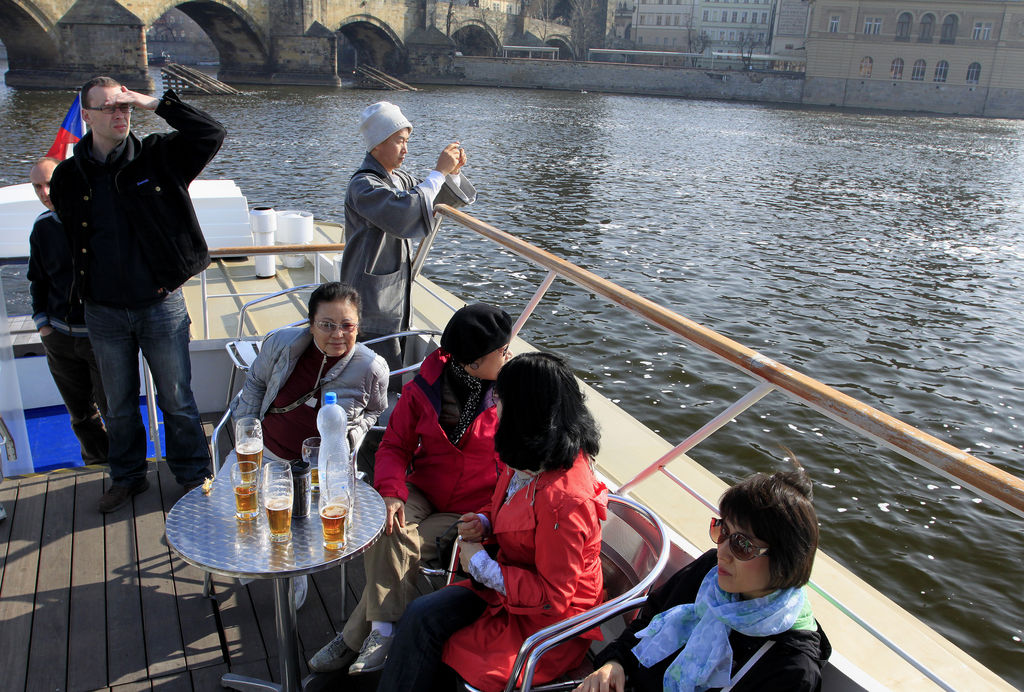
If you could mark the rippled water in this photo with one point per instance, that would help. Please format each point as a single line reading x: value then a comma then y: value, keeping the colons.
x: 879, y: 253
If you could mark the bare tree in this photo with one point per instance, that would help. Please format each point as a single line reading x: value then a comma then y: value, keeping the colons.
x: 747, y: 46
x: 584, y: 26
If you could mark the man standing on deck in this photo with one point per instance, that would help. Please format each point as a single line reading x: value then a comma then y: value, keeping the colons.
x: 135, y: 241
x: 385, y: 210
x: 60, y: 319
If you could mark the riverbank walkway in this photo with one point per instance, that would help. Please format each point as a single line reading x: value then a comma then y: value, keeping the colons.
x: 100, y: 602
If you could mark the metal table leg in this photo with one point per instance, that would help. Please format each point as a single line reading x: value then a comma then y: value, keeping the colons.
x: 287, y: 648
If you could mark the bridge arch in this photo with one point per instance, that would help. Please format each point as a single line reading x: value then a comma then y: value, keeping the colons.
x: 28, y: 36
x: 475, y: 37
x: 239, y: 40
x: 563, y: 44
x: 375, y: 42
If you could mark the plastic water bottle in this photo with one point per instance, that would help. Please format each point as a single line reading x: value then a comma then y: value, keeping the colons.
x: 337, y: 473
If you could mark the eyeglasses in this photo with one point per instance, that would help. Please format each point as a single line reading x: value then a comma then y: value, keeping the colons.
x: 328, y: 327
x: 740, y: 546
x: 507, y: 351
x: 109, y: 110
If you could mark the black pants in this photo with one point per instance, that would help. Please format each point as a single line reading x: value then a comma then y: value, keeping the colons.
x: 74, y: 370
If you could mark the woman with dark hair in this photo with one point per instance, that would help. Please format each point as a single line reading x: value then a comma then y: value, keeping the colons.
x: 737, y: 616
x: 544, y: 519
x: 435, y: 462
x: 298, y: 365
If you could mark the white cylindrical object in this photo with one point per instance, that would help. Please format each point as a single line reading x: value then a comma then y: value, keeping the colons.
x: 294, y: 228
x: 263, y: 222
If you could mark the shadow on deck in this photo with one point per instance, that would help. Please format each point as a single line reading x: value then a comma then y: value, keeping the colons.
x: 91, y: 601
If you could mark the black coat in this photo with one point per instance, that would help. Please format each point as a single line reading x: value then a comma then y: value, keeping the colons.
x: 792, y: 664
x: 51, y: 277
x: 152, y: 187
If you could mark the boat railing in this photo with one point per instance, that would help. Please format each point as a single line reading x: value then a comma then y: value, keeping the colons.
x: 769, y: 375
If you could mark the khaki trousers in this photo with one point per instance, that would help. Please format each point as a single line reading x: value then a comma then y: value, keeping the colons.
x: 392, y: 567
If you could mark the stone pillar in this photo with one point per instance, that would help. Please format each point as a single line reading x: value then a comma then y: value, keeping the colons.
x: 100, y: 37
x: 302, y: 51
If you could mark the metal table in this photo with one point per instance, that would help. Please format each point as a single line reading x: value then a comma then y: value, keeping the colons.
x: 203, y: 530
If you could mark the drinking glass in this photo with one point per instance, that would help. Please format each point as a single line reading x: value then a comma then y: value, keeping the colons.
x: 249, y: 440
x: 310, y: 453
x: 245, y: 478
x: 334, y: 518
x: 277, y: 499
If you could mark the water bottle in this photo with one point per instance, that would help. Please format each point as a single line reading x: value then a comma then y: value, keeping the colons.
x: 337, y: 472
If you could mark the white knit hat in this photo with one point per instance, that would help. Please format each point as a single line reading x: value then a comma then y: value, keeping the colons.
x: 380, y: 121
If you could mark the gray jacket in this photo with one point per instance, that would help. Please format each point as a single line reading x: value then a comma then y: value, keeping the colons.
x: 360, y: 380
x: 381, y: 220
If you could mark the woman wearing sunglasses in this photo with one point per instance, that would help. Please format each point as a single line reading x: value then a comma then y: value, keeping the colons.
x: 738, y: 615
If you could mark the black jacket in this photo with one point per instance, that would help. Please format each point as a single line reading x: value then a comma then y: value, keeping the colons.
x: 792, y: 664
x: 152, y: 185
x: 51, y: 278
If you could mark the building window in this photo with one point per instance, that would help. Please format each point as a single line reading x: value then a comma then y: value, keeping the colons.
x: 941, y: 70
x: 927, y: 28
x: 903, y: 27
x: 949, y: 28
x: 760, y: 36
x: 642, y: 17
x: 865, y: 66
x: 743, y: 18
x: 872, y: 25
x: 732, y: 35
x: 675, y: 20
x: 973, y: 72
x: 764, y: 17
x: 982, y: 31
x: 706, y: 15
x: 657, y: 20
x: 896, y: 70
x: 917, y: 75
x: 833, y: 24
x: 721, y: 35
x: 734, y: 16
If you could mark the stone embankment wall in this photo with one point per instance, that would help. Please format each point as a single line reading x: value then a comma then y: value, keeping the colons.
x: 735, y: 85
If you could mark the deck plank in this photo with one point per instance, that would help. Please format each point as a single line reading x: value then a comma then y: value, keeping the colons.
x: 8, y: 498
x: 244, y: 639
x: 196, y: 614
x: 86, y: 629
x: 165, y: 654
x: 17, y: 593
x: 125, y: 634
x: 48, y: 650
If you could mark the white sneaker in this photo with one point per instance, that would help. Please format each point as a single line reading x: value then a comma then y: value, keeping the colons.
x: 372, y: 654
x: 300, y: 587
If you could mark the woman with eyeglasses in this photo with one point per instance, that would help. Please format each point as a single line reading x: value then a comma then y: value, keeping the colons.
x: 544, y: 523
x: 738, y: 616
x: 436, y: 462
x: 298, y: 365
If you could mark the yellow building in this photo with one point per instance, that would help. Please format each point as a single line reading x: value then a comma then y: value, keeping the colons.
x: 917, y: 55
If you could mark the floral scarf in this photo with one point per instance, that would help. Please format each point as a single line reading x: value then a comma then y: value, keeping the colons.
x: 469, y: 391
x: 703, y: 627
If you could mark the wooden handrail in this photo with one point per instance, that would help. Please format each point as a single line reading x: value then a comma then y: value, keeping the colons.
x: 275, y: 249
x: 1001, y: 487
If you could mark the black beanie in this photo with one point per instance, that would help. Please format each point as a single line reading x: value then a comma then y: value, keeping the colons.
x: 475, y: 331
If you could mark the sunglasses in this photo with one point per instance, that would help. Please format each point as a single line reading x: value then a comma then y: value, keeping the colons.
x: 741, y: 546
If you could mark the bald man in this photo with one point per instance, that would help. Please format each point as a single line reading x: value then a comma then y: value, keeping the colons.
x: 60, y: 319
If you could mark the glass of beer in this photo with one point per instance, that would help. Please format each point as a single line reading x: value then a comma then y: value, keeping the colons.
x: 249, y: 440
x: 245, y: 478
x: 310, y: 454
x: 334, y: 517
x: 277, y: 499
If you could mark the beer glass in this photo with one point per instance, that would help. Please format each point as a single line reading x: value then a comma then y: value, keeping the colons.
x: 245, y: 478
x: 334, y: 517
x: 310, y: 453
x: 277, y: 499
x: 249, y: 440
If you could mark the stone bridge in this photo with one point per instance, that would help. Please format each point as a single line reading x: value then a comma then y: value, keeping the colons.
x: 62, y: 43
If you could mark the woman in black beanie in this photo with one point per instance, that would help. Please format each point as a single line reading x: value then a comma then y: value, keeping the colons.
x: 435, y: 463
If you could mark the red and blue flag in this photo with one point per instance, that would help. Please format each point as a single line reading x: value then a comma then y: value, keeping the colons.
x: 71, y: 130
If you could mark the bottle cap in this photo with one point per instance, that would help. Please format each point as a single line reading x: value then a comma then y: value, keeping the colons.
x: 330, y: 398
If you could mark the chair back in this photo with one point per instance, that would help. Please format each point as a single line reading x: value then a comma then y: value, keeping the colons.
x: 632, y: 541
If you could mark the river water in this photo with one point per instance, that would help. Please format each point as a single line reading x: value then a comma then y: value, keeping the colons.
x: 879, y: 253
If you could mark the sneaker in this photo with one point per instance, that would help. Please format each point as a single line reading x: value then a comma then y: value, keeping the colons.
x: 300, y: 587
x: 117, y: 496
x: 372, y: 655
x: 334, y: 656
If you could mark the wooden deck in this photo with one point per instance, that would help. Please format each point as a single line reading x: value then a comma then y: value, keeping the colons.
x: 100, y: 602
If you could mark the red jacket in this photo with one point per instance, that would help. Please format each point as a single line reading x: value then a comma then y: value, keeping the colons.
x: 416, y: 450
x: 549, y: 549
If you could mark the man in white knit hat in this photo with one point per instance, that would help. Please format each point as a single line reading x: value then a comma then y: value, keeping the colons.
x: 385, y: 210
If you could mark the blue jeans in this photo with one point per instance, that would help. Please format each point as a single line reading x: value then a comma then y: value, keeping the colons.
x: 162, y: 332
x: 414, y: 662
